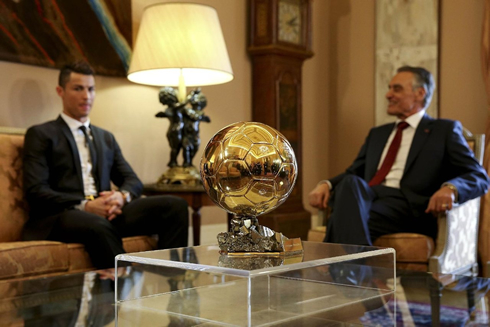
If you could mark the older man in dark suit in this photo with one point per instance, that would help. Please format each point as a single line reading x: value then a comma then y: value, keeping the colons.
x: 69, y: 165
x: 405, y: 172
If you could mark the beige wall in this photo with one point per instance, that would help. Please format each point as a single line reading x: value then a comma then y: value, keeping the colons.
x: 338, y: 89
x: 462, y: 90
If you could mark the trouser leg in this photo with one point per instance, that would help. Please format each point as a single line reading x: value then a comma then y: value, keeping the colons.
x: 351, y: 203
x: 101, y: 240
x: 164, y: 215
x: 361, y: 214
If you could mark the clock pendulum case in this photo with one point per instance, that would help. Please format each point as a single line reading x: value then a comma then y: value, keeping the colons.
x: 280, y: 41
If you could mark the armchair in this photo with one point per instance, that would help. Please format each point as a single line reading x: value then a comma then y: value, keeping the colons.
x: 455, y: 248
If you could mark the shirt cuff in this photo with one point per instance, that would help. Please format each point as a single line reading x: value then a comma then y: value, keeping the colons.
x: 326, y: 181
x: 81, y: 206
x: 453, y: 188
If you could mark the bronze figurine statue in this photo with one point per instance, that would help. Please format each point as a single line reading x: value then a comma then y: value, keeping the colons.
x: 182, y: 134
x: 192, y: 117
x: 168, y: 96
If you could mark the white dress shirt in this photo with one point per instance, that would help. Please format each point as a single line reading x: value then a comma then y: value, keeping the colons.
x: 89, y: 187
x: 396, y: 173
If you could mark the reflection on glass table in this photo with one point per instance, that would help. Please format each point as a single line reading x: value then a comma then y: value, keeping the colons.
x: 331, y: 285
x: 255, y: 290
x: 159, y: 296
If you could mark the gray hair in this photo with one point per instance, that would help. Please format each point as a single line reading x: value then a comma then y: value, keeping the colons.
x: 423, y: 78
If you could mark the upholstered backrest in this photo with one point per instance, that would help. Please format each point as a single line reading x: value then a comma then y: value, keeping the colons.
x: 476, y: 143
x: 13, y: 209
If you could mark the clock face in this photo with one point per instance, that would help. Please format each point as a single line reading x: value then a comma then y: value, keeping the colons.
x: 290, y: 21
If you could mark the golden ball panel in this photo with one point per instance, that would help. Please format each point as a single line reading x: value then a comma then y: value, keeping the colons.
x: 261, y: 192
x: 234, y: 177
x: 248, y: 168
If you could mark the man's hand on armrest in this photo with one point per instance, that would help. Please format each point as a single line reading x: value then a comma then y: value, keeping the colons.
x: 318, y: 198
x: 442, y: 200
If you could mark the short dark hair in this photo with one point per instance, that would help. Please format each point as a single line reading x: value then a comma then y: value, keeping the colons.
x: 423, y: 78
x: 80, y: 67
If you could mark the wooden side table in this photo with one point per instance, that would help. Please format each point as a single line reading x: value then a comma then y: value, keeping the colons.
x: 195, y: 196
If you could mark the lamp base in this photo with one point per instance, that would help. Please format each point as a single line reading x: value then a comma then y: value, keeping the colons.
x: 180, y: 175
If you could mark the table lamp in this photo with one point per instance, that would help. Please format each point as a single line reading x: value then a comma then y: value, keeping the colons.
x: 179, y: 44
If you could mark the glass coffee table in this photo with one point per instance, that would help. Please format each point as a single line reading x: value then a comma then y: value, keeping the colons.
x: 154, y: 295
x: 330, y: 284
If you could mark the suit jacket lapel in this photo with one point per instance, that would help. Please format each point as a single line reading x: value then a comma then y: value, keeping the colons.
x: 380, y: 136
x: 421, y: 134
x: 73, y: 147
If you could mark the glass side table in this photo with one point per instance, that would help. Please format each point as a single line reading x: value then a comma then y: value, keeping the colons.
x: 197, y: 285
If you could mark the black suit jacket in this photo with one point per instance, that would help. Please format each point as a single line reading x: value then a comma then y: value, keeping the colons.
x: 52, y: 172
x: 438, y: 154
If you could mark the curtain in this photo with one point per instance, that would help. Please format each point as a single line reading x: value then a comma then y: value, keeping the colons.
x: 484, y: 237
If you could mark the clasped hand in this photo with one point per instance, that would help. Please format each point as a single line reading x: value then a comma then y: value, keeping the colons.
x: 108, y: 205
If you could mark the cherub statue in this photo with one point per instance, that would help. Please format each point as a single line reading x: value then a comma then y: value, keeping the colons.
x: 174, y: 110
x: 192, y: 117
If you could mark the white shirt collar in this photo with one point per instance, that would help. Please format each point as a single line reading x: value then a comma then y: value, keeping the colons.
x: 413, y: 120
x: 73, y: 123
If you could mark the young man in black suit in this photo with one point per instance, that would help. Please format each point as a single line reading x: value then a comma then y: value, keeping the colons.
x: 430, y: 169
x: 69, y: 165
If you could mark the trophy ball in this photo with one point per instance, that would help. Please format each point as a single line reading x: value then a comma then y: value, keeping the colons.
x: 248, y: 169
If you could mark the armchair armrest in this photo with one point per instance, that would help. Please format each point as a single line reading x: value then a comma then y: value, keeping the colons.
x: 457, y: 240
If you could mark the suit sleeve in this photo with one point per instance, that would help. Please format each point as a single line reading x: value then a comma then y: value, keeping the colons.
x: 38, y: 191
x: 356, y: 168
x: 471, y: 178
x: 122, y: 175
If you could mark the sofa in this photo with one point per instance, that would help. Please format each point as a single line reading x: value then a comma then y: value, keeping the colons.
x: 24, y: 259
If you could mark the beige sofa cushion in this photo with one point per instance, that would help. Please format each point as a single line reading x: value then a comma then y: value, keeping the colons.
x: 412, y: 250
x: 23, y: 259
x: 31, y: 258
x: 410, y: 247
x: 139, y: 243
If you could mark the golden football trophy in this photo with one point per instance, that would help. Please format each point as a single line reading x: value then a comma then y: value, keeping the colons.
x: 249, y: 169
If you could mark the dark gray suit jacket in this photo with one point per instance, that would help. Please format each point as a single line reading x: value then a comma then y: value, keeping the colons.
x: 438, y: 154
x: 52, y: 173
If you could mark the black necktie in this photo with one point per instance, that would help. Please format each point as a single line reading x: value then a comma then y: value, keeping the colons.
x: 91, y: 148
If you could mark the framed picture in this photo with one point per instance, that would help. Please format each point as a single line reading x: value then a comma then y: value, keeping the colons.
x: 50, y: 33
x: 407, y: 33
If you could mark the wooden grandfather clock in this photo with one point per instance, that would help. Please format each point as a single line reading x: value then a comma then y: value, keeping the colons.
x: 280, y: 41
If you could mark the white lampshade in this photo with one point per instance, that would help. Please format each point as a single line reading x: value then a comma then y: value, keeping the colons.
x: 177, y: 38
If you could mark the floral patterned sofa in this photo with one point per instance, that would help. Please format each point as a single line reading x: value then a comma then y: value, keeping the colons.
x: 20, y: 259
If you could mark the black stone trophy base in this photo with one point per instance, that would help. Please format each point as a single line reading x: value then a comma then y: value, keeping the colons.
x: 247, y: 238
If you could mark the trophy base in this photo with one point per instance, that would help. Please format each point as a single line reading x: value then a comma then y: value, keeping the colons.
x: 248, y: 238
x: 292, y: 247
x: 180, y: 175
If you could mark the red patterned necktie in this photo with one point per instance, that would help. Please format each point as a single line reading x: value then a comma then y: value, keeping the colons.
x: 385, y: 168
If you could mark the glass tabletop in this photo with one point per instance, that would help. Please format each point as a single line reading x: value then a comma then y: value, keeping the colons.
x: 86, y: 299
